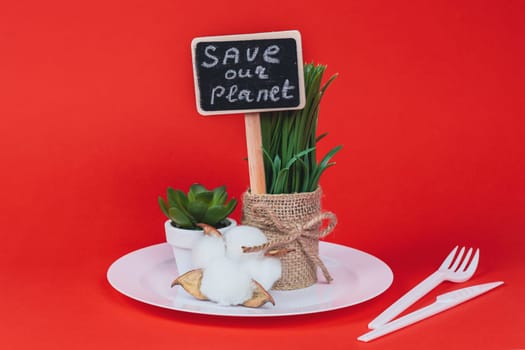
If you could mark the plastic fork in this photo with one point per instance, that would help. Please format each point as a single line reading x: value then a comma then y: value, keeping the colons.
x: 454, y: 269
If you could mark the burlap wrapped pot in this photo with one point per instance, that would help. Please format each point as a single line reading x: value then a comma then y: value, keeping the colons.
x: 291, y: 221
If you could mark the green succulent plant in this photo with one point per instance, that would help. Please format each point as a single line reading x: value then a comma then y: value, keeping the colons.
x: 199, y: 206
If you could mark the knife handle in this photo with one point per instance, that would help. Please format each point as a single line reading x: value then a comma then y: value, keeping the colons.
x: 407, y: 300
x: 407, y: 320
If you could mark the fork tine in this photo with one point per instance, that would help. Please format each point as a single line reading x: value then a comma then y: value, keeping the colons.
x: 473, y: 264
x: 465, y: 260
x: 458, y: 259
x: 448, y: 259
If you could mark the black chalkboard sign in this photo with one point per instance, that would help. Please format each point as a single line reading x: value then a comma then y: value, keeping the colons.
x: 248, y: 73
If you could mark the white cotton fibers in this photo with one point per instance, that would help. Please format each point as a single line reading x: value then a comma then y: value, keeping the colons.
x: 243, y: 236
x: 265, y: 270
x: 228, y: 272
x: 207, y: 249
x: 225, y: 283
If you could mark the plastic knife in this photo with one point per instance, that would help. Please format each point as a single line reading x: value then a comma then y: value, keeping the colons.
x: 443, y: 302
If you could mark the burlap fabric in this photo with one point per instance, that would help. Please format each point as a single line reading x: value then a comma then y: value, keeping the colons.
x: 291, y: 221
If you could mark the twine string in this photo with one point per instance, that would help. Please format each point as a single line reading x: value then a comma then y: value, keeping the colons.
x: 295, y: 231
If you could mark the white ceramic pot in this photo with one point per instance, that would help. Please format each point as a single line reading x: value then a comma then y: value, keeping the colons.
x: 182, y: 241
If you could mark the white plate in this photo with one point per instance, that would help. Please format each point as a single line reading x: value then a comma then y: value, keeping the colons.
x: 146, y: 274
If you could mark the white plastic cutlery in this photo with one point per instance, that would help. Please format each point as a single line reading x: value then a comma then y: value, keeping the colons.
x: 450, y: 270
x: 442, y: 303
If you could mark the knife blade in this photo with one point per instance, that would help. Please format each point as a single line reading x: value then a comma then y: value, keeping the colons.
x: 443, y: 302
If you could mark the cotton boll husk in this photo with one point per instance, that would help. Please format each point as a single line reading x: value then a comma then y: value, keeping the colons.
x: 207, y: 249
x: 243, y: 236
x: 225, y: 283
x: 265, y: 270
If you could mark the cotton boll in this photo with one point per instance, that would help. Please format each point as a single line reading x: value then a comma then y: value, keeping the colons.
x: 243, y: 236
x: 207, y: 249
x: 265, y: 270
x: 225, y: 283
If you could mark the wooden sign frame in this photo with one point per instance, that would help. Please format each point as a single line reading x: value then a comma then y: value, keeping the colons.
x: 242, y: 38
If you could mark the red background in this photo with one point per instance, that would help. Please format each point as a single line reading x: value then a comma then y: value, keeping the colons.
x: 98, y: 118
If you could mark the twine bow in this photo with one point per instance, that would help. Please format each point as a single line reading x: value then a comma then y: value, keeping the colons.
x: 294, y: 231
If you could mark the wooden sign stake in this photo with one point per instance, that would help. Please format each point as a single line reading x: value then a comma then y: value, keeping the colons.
x: 252, y: 123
